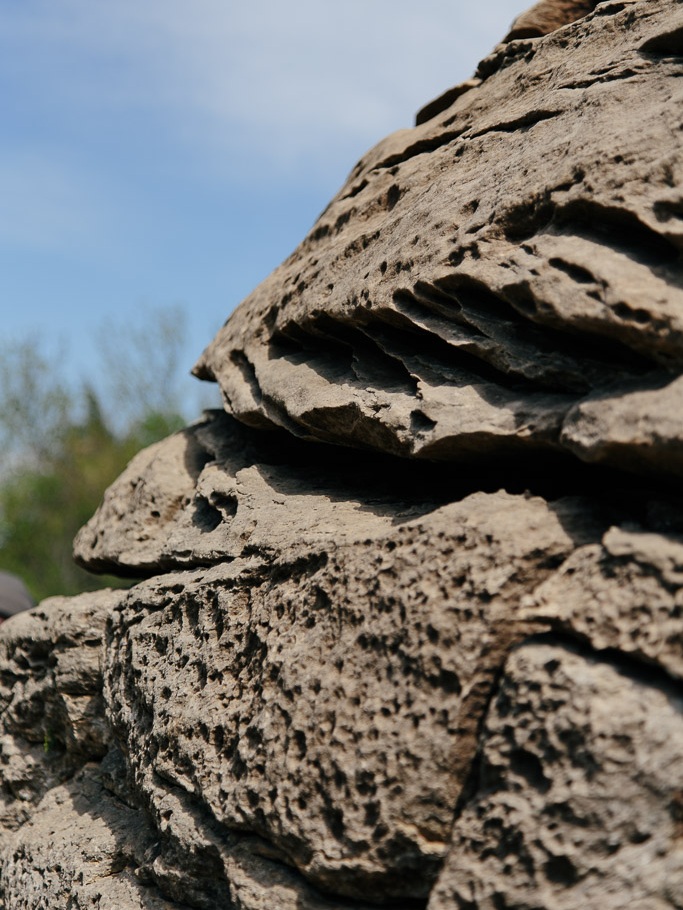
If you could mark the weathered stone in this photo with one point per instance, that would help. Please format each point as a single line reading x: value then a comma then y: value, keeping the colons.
x: 639, y: 429
x: 496, y: 279
x: 218, y: 490
x: 328, y: 701
x: 547, y: 16
x: 81, y: 848
x: 50, y: 698
x: 410, y: 627
x: 577, y: 796
x: 624, y: 595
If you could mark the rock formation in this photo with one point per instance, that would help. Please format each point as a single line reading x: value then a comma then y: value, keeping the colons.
x: 407, y: 622
x: 547, y: 16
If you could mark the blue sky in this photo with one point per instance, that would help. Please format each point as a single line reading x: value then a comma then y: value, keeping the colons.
x: 160, y: 152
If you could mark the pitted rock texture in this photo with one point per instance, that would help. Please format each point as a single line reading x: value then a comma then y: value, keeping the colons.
x: 217, y: 490
x: 408, y: 621
x: 79, y: 849
x: 497, y: 279
x: 578, y: 798
x: 623, y: 595
x: 51, y: 698
x: 282, y: 730
x: 284, y: 695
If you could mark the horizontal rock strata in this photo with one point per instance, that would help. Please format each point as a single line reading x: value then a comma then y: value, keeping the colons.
x: 217, y: 490
x: 407, y: 622
x: 499, y: 278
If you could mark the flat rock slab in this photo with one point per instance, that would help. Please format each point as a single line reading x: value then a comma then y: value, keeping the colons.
x: 497, y: 279
x: 218, y: 490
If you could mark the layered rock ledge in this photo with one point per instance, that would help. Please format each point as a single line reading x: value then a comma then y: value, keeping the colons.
x: 407, y: 622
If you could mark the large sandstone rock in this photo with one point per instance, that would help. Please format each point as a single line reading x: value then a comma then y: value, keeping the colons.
x: 408, y: 622
x: 502, y: 279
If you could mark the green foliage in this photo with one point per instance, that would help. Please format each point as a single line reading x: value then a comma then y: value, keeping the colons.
x: 62, y: 447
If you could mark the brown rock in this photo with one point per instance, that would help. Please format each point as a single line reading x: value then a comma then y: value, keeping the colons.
x: 443, y: 669
x: 577, y: 797
x: 547, y: 16
x: 327, y: 701
x: 218, y: 490
x: 495, y: 280
x: 50, y: 698
x: 80, y: 848
x: 639, y: 428
x: 623, y: 595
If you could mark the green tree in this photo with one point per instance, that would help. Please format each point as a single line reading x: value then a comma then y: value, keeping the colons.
x: 63, y: 446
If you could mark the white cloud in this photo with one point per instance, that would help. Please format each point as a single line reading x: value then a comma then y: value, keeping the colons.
x: 292, y: 82
x: 260, y: 83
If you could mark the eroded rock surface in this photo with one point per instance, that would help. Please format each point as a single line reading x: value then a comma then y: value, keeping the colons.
x: 330, y: 700
x: 497, y: 279
x: 578, y: 798
x: 408, y: 616
x: 217, y: 490
x: 51, y: 696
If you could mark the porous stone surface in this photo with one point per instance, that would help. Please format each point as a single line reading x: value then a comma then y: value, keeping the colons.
x: 577, y: 798
x: 81, y: 848
x: 407, y: 622
x: 623, y: 594
x: 51, y: 698
x: 330, y: 700
x: 217, y: 490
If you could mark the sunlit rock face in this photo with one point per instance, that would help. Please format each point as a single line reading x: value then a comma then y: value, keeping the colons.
x: 407, y: 621
x: 503, y: 280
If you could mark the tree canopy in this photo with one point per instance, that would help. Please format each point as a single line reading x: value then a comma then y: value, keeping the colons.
x: 63, y: 444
